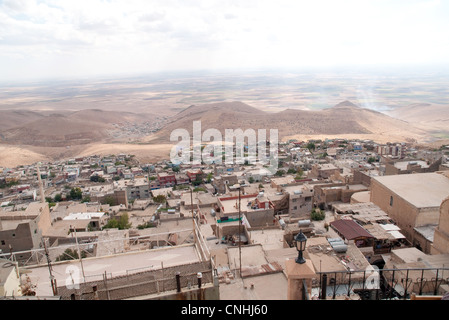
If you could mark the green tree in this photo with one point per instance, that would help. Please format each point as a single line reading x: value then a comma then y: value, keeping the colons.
x: 160, y: 199
x: 197, y: 181
x: 251, y: 180
x: 209, y: 177
x: 317, y: 215
x: 109, y: 200
x: 311, y: 146
x: 76, y: 193
x: 279, y: 173
x: 97, y: 178
x: 58, y: 197
x: 299, y: 174
x: 121, y: 223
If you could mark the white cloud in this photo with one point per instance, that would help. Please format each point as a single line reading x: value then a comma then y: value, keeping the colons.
x: 116, y: 36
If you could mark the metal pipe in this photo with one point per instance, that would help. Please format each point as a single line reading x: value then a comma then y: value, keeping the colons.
x: 199, y: 275
x: 178, y: 281
x: 406, y: 286
x: 436, y: 285
x: 324, y: 287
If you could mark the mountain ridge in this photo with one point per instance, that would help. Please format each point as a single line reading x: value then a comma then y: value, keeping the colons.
x: 343, y: 118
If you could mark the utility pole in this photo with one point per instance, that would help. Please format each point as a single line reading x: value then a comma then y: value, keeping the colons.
x: 79, y: 254
x: 50, y: 269
x: 193, y: 219
x: 240, y: 237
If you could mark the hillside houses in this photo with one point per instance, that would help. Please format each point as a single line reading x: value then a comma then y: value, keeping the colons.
x: 344, y: 194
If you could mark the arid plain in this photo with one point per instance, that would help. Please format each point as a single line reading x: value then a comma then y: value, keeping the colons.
x: 66, y: 118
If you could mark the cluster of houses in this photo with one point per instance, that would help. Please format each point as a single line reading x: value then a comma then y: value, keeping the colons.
x: 372, y: 199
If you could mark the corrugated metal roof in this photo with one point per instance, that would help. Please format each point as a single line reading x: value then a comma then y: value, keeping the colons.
x: 350, y: 229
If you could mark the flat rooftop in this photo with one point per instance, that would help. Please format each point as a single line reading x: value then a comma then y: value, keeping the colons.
x: 263, y: 287
x: 115, y: 265
x: 422, y: 190
x: 270, y: 239
x: 402, y: 165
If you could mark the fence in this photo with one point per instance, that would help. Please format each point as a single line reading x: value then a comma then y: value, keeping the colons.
x: 98, y: 248
x: 140, y: 283
x: 380, y: 284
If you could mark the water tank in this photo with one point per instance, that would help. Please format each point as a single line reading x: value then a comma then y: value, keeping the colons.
x: 303, y: 223
x: 282, y: 223
x: 341, y: 248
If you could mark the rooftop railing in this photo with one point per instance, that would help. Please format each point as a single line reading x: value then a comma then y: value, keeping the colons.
x: 380, y: 284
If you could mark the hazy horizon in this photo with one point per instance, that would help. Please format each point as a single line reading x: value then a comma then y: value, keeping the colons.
x: 53, y: 39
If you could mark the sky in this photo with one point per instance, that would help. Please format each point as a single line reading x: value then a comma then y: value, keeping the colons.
x: 64, y: 38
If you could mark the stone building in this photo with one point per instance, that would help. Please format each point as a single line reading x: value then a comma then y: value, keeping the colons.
x: 300, y: 200
x: 413, y: 201
x: 441, y: 236
x: 22, y: 230
x: 323, y: 171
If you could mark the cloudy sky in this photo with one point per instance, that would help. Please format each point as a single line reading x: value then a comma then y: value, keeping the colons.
x: 65, y: 38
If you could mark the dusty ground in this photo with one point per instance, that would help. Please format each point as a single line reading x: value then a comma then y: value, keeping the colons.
x: 11, y: 156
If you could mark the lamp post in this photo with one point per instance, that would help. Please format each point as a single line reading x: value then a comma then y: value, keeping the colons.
x: 300, y: 244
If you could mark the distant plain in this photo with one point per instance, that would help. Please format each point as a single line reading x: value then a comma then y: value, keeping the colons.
x: 58, y: 119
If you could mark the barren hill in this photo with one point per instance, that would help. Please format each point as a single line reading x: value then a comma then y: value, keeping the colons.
x: 14, y: 118
x: 344, y: 118
x: 430, y: 117
x: 55, y: 131
x: 64, y: 129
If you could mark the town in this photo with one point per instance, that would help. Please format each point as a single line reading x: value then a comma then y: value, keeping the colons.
x: 111, y: 227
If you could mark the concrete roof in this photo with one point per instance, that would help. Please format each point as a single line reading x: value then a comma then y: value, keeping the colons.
x: 427, y: 231
x: 402, y: 165
x: 325, y: 259
x: 84, y: 215
x: 361, y: 197
x: 264, y: 287
x: 6, y: 268
x: 114, y: 265
x: 270, y: 239
x: 422, y: 190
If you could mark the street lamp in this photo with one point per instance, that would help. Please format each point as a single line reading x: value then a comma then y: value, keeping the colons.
x: 300, y: 244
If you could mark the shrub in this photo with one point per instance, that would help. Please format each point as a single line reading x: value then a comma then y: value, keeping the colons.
x: 317, y: 215
x: 70, y: 254
x: 122, y: 223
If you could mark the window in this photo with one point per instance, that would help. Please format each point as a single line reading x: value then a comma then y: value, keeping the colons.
x: 391, y: 201
x: 3, y: 242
